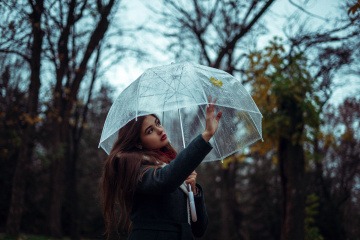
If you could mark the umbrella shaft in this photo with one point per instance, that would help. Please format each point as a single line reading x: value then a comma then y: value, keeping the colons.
x: 182, y: 129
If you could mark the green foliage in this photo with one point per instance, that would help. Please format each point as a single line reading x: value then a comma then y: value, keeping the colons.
x: 311, y: 230
x: 284, y: 90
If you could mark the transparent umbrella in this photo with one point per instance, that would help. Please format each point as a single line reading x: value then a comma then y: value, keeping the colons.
x: 178, y: 95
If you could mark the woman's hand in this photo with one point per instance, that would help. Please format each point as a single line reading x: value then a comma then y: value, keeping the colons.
x: 212, y: 121
x: 192, y: 181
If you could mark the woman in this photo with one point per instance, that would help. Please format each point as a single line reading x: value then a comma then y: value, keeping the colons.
x: 140, y: 185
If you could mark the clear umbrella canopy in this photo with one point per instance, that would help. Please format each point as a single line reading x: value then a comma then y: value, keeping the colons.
x: 178, y: 95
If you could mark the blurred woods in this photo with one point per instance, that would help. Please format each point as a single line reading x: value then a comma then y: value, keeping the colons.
x: 302, y: 182
x: 52, y: 110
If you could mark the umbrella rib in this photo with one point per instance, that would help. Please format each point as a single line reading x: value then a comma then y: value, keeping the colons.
x: 190, y: 95
x: 159, y: 94
x: 169, y: 87
x: 217, y: 148
x: 188, y: 90
x: 137, y: 99
x: 255, y: 126
x: 163, y: 80
x: 179, y: 112
x: 174, y: 90
x: 182, y: 128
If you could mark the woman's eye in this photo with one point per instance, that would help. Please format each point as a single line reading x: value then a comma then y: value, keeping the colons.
x: 150, y: 131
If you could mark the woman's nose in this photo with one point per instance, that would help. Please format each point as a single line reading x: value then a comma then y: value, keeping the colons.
x: 159, y: 130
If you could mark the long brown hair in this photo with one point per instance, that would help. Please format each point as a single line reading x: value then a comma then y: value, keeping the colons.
x: 122, y: 170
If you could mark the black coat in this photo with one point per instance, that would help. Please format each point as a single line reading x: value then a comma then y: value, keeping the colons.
x: 160, y: 206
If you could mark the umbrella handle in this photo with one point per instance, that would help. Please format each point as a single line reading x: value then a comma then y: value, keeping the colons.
x: 192, y: 205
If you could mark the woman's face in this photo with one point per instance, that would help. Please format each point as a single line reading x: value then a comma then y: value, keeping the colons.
x: 152, y: 134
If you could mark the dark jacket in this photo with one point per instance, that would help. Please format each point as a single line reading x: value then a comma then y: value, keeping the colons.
x: 160, y: 206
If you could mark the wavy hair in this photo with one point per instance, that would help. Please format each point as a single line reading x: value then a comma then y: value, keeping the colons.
x: 122, y: 170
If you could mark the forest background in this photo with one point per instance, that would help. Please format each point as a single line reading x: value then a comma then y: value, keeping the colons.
x: 59, y: 74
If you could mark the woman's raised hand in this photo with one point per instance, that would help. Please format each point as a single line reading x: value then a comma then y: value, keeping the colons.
x: 212, y: 120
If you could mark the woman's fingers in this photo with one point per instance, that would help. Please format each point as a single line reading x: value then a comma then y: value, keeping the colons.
x: 192, y: 181
x: 212, y: 120
x: 218, y: 116
x: 210, y: 101
x: 192, y: 176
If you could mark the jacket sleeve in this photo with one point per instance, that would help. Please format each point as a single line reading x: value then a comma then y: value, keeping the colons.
x: 169, y: 178
x: 199, y: 227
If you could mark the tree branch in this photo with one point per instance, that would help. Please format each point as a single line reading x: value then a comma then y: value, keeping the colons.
x: 95, y: 38
x: 242, y: 32
x: 307, y: 12
x: 10, y: 51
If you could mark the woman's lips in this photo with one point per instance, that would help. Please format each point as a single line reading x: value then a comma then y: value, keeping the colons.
x: 164, y: 137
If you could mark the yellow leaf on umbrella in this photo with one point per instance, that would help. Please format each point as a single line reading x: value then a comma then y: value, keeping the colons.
x: 216, y: 82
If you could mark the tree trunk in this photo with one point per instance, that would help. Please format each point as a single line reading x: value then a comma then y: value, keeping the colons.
x: 291, y: 157
x: 76, y: 136
x: 72, y: 193
x: 229, y: 217
x: 18, y: 189
x: 57, y: 186
x: 16, y: 208
x: 292, y: 170
x: 63, y: 105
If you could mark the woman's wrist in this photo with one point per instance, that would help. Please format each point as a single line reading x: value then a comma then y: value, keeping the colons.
x: 206, y: 136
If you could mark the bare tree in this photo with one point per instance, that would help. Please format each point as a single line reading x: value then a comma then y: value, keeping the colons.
x: 31, y: 42
x: 215, y: 31
x: 63, y: 37
x: 71, y: 43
